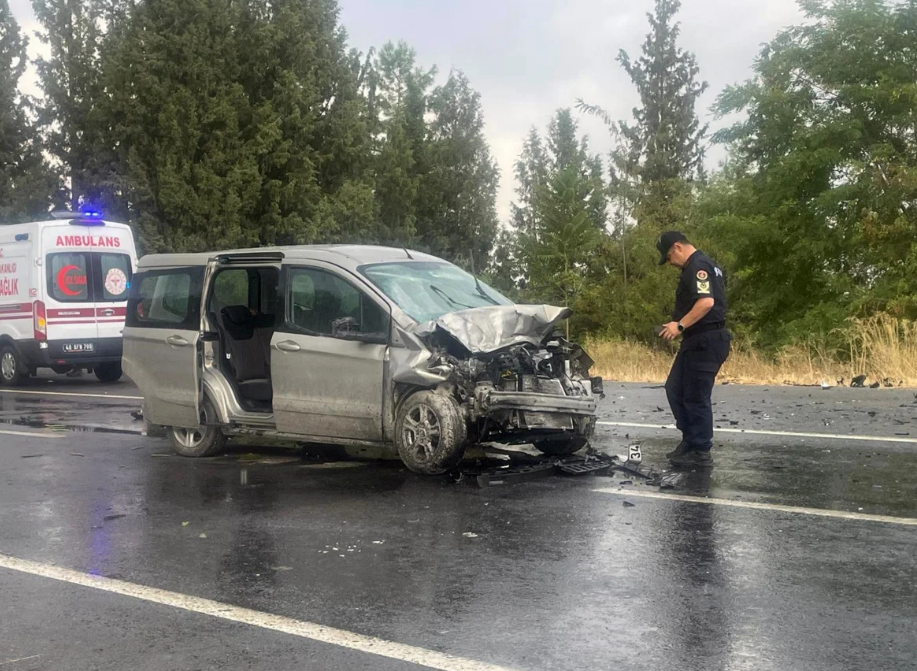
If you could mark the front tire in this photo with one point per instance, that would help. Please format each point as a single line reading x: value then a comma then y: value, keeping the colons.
x: 108, y: 372
x: 205, y: 440
x: 430, y: 433
x: 12, y: 368
x: 561, y: 447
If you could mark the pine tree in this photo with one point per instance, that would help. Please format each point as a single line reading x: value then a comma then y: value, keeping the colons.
x: 531, y: 175
x: 399, y: 93
x: 71, y: 85
x: 239, y: 123
x: 27, y: 186
x: 657, y: 160
x: 666, y: 139
x: 457, y: 216
x: 661, y: 152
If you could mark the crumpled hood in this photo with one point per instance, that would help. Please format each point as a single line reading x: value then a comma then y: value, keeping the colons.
x: 488, y: 329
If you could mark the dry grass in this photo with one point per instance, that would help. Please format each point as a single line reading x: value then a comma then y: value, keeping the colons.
x: 882, y: 348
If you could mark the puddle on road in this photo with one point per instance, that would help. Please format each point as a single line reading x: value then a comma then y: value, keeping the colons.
x: 33, y: 423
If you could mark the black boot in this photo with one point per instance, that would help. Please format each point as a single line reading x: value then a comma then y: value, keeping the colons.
x: 679, y: 451
x: 696, y: 458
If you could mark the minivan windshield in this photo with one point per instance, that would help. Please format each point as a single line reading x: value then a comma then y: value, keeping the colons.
x: 428, y: 290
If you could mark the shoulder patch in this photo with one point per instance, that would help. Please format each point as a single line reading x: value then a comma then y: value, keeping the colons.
x: 702, y: 275
x: 703, y: 287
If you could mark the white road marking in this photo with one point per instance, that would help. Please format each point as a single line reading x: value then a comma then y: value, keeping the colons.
x: 30, y: 434
x: 69, y: 393
x: 21, y: 659
x: 753, y: 505
x: 308, y: 630
x: 788, y: 434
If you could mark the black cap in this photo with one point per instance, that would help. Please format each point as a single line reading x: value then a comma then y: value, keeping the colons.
x: 666, y: 240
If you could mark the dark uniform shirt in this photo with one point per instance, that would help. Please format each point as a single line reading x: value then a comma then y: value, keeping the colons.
x: 701, y: 278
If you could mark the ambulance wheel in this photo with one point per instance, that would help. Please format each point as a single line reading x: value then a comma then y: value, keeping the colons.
x: 12, y: 370
x: 108, y: 372
x: 205, y: 440
x: 430, y: 433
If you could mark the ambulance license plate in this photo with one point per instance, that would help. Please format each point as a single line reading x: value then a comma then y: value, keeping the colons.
x: 78, y: 347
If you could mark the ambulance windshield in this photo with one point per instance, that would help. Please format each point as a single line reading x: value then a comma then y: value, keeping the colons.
x: 80, y: 277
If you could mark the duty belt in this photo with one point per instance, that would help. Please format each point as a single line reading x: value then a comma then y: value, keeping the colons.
x: 704, y: 328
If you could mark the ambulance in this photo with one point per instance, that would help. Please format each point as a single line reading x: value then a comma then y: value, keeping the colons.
x: 64, y: 285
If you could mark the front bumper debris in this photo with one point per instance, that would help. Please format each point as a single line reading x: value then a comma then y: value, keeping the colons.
x: 526, y: 469
x: 492, y: 400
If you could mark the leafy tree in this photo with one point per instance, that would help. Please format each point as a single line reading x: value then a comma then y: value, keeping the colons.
x: 27, y: 186
x: 819, y: 209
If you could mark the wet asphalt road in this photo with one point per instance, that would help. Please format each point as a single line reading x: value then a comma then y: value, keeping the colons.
x: 561, y: 573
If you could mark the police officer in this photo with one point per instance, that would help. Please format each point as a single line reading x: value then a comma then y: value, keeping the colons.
x: 700, y: 321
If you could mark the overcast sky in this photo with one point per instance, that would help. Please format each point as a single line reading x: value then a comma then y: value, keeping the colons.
x: 530, y: 57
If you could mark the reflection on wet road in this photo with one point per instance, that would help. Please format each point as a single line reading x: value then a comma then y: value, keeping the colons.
x: 550, y: 574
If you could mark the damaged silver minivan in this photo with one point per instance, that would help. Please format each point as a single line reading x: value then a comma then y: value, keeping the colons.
x: 351, y: 345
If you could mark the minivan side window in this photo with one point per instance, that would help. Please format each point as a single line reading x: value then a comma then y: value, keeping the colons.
x: 166, y: 299
x: 231, y: 287
x: 318, y: 298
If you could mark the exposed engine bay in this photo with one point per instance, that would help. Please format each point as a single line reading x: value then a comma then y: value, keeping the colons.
x: 516, y: 379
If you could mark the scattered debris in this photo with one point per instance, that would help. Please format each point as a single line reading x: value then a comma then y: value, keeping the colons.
x: 671, y: 481
x: 77, y: 454
x: 137, y: 415
x: 282, y: 568
x: 859, y: 381
x: 203, y: 536
x: 184, y: 524
x: 470, y: 534
x: 628, y: 504
x: 32, y: 456
x: 109, y: 518
x: 874, y: 385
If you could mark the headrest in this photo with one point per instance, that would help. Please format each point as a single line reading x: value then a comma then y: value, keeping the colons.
x: 238, y: 322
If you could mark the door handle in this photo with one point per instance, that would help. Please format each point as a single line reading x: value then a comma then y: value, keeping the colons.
x: 177, y: 341
x: 288, y: 346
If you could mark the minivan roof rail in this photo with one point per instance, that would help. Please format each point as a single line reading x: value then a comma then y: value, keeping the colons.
x: 250, y: 257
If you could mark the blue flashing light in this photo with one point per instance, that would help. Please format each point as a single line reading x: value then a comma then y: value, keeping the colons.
x: 90, y: 216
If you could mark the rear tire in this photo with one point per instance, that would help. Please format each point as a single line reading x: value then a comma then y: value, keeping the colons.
x: 202, y: 441
x: 430, y: 433
x: 108, y: 372
x: 12, y: 369
x: 561, y: 447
